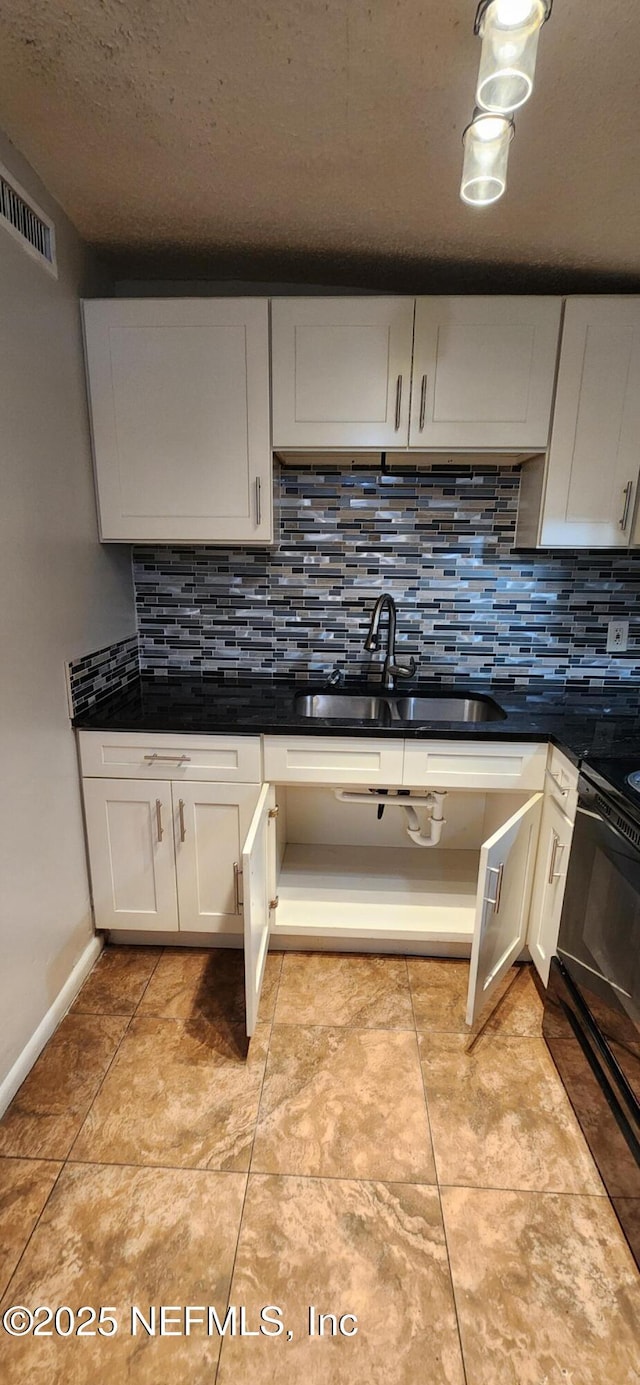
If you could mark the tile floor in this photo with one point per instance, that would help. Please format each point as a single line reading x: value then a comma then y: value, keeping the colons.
x: 356, y: 1158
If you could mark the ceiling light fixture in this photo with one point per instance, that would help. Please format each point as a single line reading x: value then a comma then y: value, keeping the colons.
x: 509, y: 30
x: 486, y: 151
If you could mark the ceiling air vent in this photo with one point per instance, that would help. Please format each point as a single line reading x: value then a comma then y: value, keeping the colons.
x: 26, y: 222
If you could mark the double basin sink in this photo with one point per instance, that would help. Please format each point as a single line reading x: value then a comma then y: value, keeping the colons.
x: 386, y: 709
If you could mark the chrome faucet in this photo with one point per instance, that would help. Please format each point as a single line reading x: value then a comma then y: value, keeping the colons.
x: 391, y: 669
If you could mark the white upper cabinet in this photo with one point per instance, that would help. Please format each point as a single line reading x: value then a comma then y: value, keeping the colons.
x: 483, y: 372
x: 594, y: 456
x: 179, y: 398
x: 341, y: 371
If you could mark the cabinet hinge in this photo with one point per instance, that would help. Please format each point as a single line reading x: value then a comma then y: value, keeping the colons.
x: 273, y: 903
x: 273, y: 812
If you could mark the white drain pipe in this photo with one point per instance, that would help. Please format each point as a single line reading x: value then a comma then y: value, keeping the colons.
x: 433, y: 802
x: 436, y: 822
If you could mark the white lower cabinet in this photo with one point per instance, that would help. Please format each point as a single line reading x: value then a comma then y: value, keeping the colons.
x: 131, y: 853
x: 505, y: 880
x: 344, y: 878
x: 258, y: 881
x: 556, y: 831
x: 315, y: 860
x: 167, y: 856
x: 211, y: 824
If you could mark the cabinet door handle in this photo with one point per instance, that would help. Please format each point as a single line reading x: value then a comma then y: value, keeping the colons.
x: 627, y: 493
x: 236, y: 886
x: 398, y: 401
x: 423, y: 403
x: 558, y: 846
x: 258, y: 502
x: 499, y: 871
x: 183, y: 830
x: 159, y: 827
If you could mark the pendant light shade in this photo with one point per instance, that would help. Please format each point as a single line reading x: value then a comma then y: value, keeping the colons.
x: 486, y: 151
x: 510, y: 30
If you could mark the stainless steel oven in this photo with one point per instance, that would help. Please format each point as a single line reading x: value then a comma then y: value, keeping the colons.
x: 592, y: 1011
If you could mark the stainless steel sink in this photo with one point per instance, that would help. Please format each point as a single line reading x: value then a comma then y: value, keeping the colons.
x: 449, y: 708
x: 345, y: 706
x: 341, y: 706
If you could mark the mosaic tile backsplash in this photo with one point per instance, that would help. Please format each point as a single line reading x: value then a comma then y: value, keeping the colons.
x: 96, y: 675
x: 440, y: 543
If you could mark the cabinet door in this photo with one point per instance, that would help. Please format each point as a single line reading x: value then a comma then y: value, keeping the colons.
x: 593, y: 462
x: 556, y: 832
x: 483, y: 372
x: 210, y: 822
x: 258, y: 884
x: 341, y: 371
x: 131, y: 854
x: 504, y: 891
x: 179, y: 394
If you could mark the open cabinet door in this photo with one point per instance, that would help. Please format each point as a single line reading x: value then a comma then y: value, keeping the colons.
x: 258, y: 882
x: 504, y: 889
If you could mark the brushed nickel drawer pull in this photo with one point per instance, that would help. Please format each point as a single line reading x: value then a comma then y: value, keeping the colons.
x: 183, y: 830
x: 170, y: 759
x: 495, y: 902
x: 627, y: 493
x: 159, y: 827
x: 236, y: 886
x: 398, y: 401
x: 558, y: 846
x: 423, y: 402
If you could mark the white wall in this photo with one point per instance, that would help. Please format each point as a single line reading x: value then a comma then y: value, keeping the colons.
x: 61, y: 595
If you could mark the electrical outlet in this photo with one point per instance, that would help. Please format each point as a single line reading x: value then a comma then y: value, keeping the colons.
x: 617, y: 636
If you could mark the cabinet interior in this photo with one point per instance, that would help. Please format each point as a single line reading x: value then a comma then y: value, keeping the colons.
x: 342, y: 871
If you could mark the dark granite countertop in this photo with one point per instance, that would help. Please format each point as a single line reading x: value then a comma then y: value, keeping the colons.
x: 582, y: 722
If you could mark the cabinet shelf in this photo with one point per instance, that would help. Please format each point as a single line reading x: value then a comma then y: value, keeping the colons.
x: 408, y: 894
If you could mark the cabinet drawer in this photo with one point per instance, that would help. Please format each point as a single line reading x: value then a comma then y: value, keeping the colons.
x: 562, y: 782
x: 332, y: 760
x: 132, y: 755
x: 485, y: 765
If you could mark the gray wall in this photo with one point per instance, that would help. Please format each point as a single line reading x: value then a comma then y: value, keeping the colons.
x: 62, y: 595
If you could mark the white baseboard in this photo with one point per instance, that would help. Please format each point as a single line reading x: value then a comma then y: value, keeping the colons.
x: 32, y: 1050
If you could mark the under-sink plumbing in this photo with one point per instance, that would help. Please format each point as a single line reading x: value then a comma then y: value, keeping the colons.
x: 424, y: 827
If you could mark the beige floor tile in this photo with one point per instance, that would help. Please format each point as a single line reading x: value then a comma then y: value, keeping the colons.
x: 123, y: 1237
x: 519, y: 1012
x: 346, y: 1103
x: 47, y: 1112
x: 372, y: 1249
x: 181, y: 1093
x: 546, y: 1289
x: 117, y: 981
x: 207, y: 981
x: 25, y: 1185
x: 500, y: 1117
x: 439, y: 991
x: 365, y: 992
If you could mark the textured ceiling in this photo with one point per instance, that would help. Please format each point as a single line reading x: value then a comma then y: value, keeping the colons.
x: 323, y: 128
